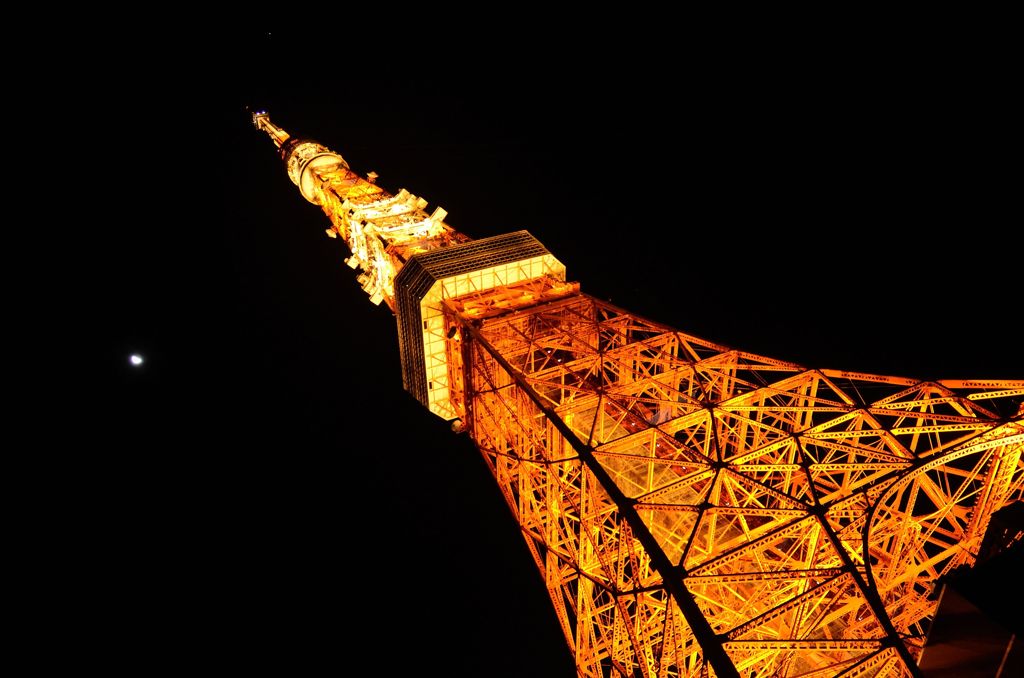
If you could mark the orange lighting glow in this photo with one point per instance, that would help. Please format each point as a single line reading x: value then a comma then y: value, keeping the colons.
x: 693, y: 509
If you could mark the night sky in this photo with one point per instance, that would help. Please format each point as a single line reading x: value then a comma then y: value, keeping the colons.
x: 267, y: 481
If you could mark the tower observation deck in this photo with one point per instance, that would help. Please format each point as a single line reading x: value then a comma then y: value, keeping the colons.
x: 693, y: 510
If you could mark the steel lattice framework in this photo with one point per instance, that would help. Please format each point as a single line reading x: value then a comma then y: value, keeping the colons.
x: 694, y: 510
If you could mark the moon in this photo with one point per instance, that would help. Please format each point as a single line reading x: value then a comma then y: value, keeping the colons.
x: 135, y: 359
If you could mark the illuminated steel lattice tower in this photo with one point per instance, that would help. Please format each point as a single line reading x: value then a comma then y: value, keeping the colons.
x: 694, y: 510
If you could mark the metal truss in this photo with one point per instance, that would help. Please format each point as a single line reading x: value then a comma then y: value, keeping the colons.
x: 694, y: 510
x: 701, y: 511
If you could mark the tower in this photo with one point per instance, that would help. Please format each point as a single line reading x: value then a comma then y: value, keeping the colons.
x: 689, y: 506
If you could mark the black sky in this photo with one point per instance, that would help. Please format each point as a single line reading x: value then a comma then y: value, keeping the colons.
x: 268, y: 481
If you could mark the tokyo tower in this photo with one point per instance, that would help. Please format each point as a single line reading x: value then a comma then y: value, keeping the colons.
x: 693, y: 510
